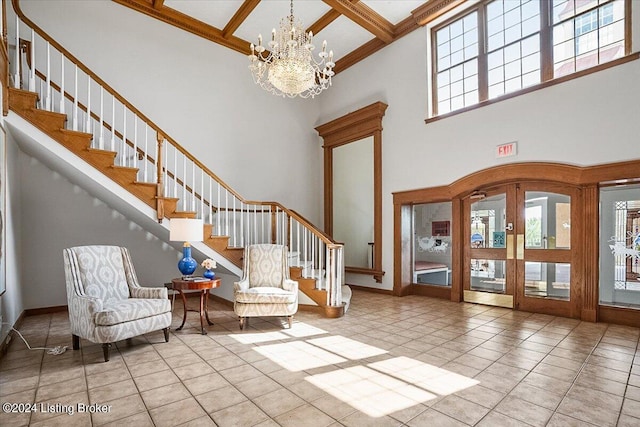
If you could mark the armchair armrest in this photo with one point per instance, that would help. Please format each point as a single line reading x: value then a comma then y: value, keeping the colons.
x: 86, y: 304
x: 241, y: 286
x: 148, y: 293
x: 290, y: 285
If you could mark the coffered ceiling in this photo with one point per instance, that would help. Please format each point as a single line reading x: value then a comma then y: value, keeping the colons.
x: 354, y: 29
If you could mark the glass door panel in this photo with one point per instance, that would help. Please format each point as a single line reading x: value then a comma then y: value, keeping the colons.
x: 544, y: 223
x: 486, y: 269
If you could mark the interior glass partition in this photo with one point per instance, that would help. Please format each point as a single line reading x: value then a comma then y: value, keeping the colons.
x: 432, y: 244
x: 620, y: 246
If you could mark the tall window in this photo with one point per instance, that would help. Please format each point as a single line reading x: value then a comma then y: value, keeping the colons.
x: 503, y: 46
x: 457, y: 53
x: 586, y: 34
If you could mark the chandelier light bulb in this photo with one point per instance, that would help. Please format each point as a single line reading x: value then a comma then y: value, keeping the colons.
x: 289, y: 69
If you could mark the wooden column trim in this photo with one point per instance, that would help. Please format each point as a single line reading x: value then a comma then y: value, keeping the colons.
x: 377, y: 203
x: 456, y: 250
x: 590, y: 259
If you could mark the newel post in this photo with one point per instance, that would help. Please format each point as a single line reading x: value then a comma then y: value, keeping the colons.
x: 159, y: 180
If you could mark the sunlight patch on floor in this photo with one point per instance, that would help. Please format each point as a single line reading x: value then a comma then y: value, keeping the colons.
x: 301, y: 330
x: 346, y: 347
x: 259, y: 337
x: 376, y: 388
x: 428, y: 377
x: 298, y: 355
x: 370, y: 391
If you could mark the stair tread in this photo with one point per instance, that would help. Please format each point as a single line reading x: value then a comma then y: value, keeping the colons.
x: 99, y: 150
x: 146, y: 184
x: 76, y: 132
x: 124, y: 168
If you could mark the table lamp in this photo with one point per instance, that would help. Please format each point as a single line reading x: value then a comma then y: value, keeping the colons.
x: 186, y: 230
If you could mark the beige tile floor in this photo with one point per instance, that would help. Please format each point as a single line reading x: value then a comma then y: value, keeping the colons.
x: 411, y: 361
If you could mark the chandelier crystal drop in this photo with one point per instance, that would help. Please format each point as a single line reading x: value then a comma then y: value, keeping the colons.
x: 289, y: 68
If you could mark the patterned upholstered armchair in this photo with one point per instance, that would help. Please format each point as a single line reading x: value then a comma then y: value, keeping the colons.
x: 265, y: 288
x: 106, y: 303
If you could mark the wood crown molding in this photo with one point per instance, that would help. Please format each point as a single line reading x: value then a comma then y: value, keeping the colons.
x: 353, y: 126
x: 366, y: 17
x: 433, y: 9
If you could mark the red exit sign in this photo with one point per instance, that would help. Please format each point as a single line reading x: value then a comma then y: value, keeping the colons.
x: 506, y: 150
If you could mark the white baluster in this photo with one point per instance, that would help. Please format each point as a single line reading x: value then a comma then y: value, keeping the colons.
x: 175, y: 171
x: 146, y: 152
x: 113, y: 123
x: 226, y: 211
x: 62, y: 109
x: 48, y: 92
x: 17, y: 77
x: 255, y: 224
x: 218, y: 215
x: 123, y: 151
x: 234, y: 223
x: 202, y: 194
x: 87, y: 127
x: 291, y: 234
x: 184, y: 182
x: 210, y: 203
x: 242, y: 239
x: 166, y: 169
x: 298, y: 242
x: 32, y: 74
x: 101, y: 137
x: 193, y: 186
x: 75, y: 100
x: 135, y: 140
x: 319, y: 283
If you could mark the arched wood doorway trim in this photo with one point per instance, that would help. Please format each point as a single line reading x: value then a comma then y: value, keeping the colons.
x: 587, y: 179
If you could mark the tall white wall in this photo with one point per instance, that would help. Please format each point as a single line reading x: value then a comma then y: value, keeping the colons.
x: 590, y: 120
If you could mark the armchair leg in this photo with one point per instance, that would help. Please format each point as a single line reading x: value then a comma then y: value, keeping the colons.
x: 290, y: 318
x: 243, y: 320
x: 105, y: 350
x: 166, y: 334
x: 76, y: 342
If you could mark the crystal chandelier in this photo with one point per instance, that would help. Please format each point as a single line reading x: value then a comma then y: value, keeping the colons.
x: 290, y: 69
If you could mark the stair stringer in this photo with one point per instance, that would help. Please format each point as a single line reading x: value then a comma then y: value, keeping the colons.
x: 57, y: 157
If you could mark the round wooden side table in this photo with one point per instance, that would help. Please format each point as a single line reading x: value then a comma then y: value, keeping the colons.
x: 196, y: 284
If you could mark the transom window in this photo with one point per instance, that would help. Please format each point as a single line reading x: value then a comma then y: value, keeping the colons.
x: 503, y: 46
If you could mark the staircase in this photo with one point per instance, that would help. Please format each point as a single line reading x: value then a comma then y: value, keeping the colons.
x: 99, y: 126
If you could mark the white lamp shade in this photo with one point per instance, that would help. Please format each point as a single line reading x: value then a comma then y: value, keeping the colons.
x: 185, y: 230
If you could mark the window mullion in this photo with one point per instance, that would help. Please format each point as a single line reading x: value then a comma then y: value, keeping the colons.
x: 546, y: 42
x: 483, y: 67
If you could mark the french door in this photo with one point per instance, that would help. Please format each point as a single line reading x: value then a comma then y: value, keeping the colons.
x: 520, y: 247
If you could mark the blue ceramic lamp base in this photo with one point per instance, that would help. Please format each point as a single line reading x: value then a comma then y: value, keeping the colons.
x: 187, y: 265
